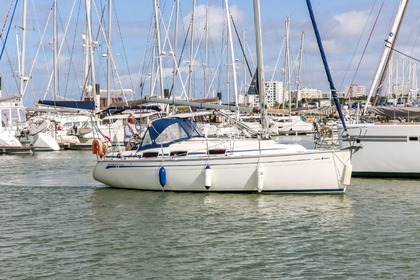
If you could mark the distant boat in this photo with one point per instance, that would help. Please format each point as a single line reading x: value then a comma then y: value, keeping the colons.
x: 173, y: 155
x: 15, y: 128
x: 9, y: 144
x: 13, y: 112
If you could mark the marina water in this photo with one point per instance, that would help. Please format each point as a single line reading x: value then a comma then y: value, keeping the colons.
x: 56, y: 222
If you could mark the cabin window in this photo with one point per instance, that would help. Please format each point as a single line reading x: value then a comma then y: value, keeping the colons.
x: 413, y: 138
x: 150, y: 154
x: 178, y: 153
x: 217, y: 151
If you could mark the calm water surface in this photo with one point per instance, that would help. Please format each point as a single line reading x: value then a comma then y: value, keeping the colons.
x: 56, y: 222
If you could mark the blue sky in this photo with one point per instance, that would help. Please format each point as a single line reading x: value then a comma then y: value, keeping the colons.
x: 344, y: 26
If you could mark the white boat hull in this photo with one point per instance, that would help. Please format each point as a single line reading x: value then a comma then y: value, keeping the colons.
x: 388, y: 150
x: 309, y: 171
x: 44, y: 142
x: 8, y: 140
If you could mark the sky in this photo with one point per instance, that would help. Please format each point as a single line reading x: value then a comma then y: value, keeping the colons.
x: 353, y: 46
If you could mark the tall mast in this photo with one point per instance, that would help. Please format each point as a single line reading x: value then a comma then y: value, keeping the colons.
x: 23, y: 78
x: 108, y: 65
x: 175, y: 54
x: 386, y: 56
x: 152, y: 72
x: 191, y: 52
x: 90, y: 58
x: 286, y: 69
x: 232, y: 54
x: 260, y: 69
x: 85, y: 69
x: 244, y: 63
x: 389, y: 93
x: 287, y: 84
x: 55, y: 80
x: 206, y: 52
x: 299, y: 82
x: 159, y: 51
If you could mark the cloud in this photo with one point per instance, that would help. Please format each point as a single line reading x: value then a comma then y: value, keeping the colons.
x: 349, y: 24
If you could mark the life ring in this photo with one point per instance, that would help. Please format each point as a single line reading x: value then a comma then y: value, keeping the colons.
x: 326, y: 131
x: 98, y: 148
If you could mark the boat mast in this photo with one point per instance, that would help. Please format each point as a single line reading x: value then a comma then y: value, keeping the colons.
x: 326, y: 67
x: 89, y: 63
x: 232, y: 54
x: 287, y: 65
x: 205, y: 68
x: 260, y: 69
x: 244, y: 64
x: 190, y: 66
x: 159, y: 51
x: 55, y: 82
x: 108, y: 61
x: 23, y: 78
x: 85, y: 69
x: 389, y: 93
x: 299, y: 82
x: 386, y: 56
x: 175, y: 69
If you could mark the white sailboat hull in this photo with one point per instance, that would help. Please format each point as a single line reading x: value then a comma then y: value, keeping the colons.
x: 306, y: 171
x: 44, y: 142
x: 388, y: 150
x: 8, y: 140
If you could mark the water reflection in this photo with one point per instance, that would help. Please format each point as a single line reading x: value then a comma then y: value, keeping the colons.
x: 325, y: 210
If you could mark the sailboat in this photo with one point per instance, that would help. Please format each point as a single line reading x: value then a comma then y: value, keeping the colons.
x: 11, y: 114
x: 389, y: 149
x: 14, y: 113
x: 175, y: 156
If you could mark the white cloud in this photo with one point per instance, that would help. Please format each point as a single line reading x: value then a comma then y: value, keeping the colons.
x: 349, y: 24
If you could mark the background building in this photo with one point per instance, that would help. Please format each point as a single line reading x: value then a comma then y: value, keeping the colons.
x: 273, y: 94
x: 310, y: 93
x: 355, y: 91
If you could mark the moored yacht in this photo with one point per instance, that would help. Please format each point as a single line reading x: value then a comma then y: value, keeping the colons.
x: 173, y: 155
